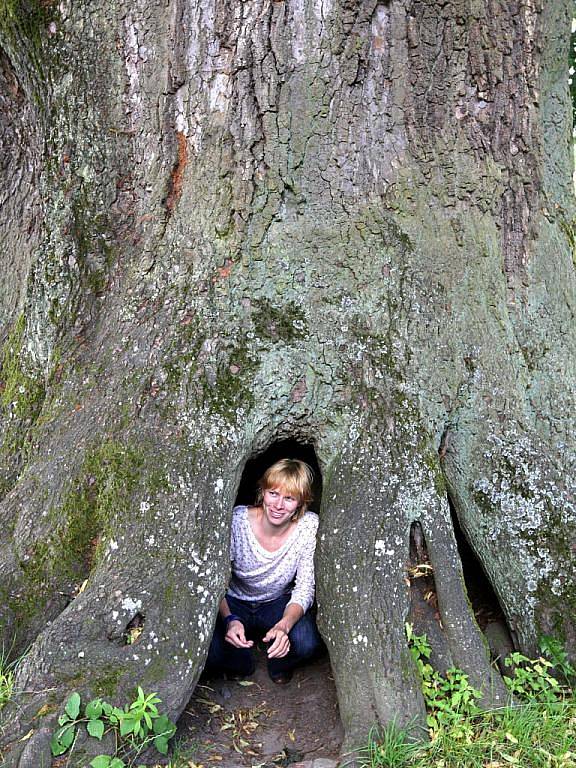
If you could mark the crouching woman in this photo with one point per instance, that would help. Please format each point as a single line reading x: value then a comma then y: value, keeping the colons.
x: 272, y: 584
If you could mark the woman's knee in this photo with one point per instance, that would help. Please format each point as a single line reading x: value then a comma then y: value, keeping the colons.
x: 225, y: 657
x: 305, y: 639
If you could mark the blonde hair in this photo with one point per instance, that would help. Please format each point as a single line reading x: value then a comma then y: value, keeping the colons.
x: 293, y: 476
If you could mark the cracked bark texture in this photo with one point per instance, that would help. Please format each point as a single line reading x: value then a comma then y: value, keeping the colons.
x: 343, y: 222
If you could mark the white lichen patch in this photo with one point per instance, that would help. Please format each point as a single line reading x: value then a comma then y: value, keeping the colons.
x: 527, y: 511
x: 132, y: 62
x: 130, y: 605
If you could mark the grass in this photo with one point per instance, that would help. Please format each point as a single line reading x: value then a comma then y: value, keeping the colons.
x: 183, y: 756
x: 7, y: 676
x: 532, y: 735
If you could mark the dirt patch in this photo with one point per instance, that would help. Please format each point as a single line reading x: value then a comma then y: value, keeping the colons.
x: 255, y: 722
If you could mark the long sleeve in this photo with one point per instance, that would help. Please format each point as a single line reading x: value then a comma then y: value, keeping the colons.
x: 304, y: 583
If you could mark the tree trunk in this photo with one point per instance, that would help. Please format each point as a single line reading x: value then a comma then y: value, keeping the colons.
x: 347, y: 223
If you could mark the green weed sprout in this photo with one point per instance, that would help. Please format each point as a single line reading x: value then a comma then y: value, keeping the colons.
x: 136, y: 726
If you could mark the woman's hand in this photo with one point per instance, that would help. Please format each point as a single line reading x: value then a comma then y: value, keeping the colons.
x: 236, y: 636
x: 280, y: 642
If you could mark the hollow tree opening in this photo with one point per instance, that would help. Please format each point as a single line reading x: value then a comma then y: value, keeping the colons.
x: 253, y: 716
x: 424, y: 614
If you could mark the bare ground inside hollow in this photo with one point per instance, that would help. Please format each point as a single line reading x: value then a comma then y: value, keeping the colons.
x: 255, y: 722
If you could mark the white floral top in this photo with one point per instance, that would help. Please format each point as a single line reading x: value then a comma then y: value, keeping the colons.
x: 260, y: 575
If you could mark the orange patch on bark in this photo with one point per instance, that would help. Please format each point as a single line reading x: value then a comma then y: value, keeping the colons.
x: 223, y: 272
x: 176, y: 177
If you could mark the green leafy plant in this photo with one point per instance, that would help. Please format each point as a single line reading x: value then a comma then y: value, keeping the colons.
x: 531, y: 679
x: 64, y: 737
x: 451, y: 699
x: 8, y: 670
x: 104, y: 761
x: 136, y: 726
x: 540, y: 733
x: 554, y: 651
x: 534, y: 735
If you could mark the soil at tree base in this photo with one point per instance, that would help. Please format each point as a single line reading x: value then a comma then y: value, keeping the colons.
x: 254, y: 722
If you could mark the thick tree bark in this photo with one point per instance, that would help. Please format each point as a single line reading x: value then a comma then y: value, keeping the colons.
x: 348, y: 223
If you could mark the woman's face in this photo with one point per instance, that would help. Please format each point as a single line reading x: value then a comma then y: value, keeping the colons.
x: 279, y: 505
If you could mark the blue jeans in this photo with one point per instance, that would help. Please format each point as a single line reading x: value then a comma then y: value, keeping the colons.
x: 258, y: 618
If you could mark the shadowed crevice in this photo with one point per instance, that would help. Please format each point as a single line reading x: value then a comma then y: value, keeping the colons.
x: 424, y: 614
x: 134, y: 629
x: 483, y: 598
x: 460, y: 640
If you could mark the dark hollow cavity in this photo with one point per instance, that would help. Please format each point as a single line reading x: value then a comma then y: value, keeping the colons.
x: 282, y: 449
x: 483, y: 598
x: 133, y: 629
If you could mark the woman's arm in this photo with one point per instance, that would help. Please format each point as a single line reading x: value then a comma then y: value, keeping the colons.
x: 303, y: 592
x: 292, y: 613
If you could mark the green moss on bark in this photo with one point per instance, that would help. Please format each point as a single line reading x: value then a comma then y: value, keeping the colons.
x: 106, y: 684
x: 29, y: 17
x: 95, y: 255
x: 103, y: 490
x: 22, y: 393
x: 233, y: 387
x: 569, y: 229
x: 23, y: 27
x: 285, y: 322
x: 433, y: 463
